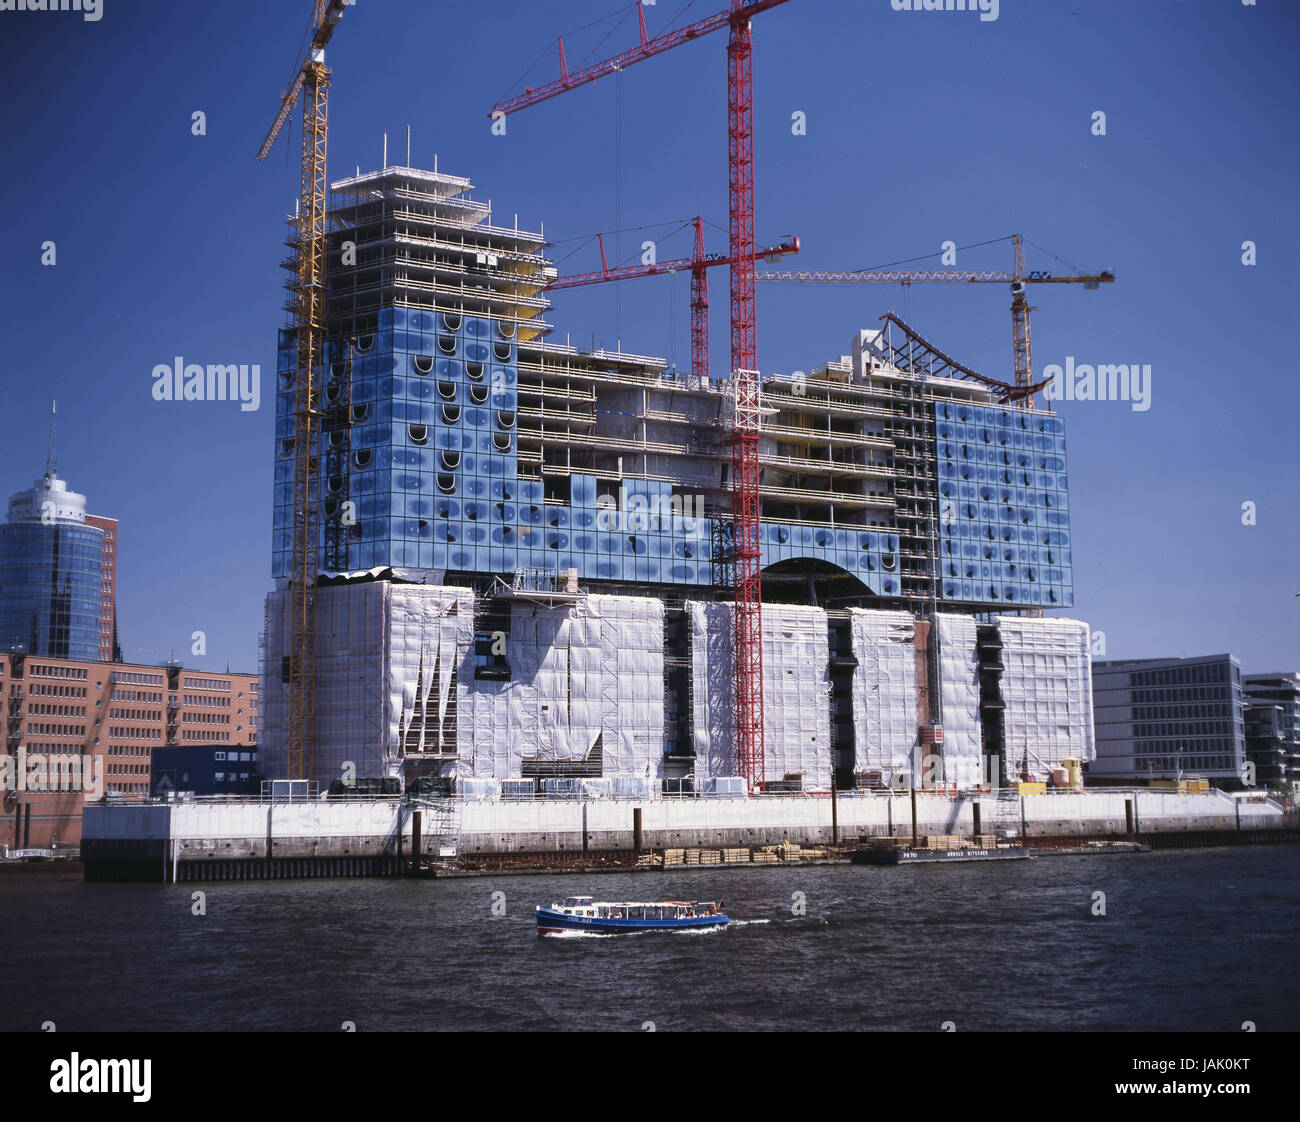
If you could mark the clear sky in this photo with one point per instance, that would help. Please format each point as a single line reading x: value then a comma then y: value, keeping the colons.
x: 921, y: 128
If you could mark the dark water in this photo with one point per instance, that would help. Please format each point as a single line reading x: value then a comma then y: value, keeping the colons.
x: 1194, y: 940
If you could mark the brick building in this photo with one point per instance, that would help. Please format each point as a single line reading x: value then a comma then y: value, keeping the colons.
x: 76, y: 731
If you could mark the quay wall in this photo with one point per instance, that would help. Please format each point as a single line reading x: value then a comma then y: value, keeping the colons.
x: 252, y: 830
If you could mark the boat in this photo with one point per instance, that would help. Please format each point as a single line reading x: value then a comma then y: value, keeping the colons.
x: 894, y: 851
x: 928, y: 856
x: 583, y: 913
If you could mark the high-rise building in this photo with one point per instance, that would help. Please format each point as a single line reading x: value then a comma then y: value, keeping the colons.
x: 1165, y: 718
x: 528, y: 544
x: 109, y: 651
x: 54, y: 593
x: 460, y: 441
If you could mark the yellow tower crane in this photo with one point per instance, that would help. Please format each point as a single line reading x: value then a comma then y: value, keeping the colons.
x: 312, y: 79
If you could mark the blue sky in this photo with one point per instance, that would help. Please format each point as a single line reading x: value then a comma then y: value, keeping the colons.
x: 921, y: 128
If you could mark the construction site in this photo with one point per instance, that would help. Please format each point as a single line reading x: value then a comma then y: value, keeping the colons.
x: 510, y: 571
x: 505, y: 564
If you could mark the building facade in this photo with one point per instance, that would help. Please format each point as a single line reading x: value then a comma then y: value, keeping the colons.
x: 1168, y: 718
x: 1273, y: 725
x: 544, y: 496
x: 51, y: 573
x: 78, y: 730
x: 466, y: 442
x: 206, y: 770
x: 109, y: 651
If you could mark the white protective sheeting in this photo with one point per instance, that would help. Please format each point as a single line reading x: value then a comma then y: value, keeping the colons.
x: 713, y: 698
x: 272, y: 694
x: 430, y: 638
x: 351, y: 677
x: 884, y: 692
x: 479, y: 790
x: 1047, y: 689
x: 632, y: 787
x: 796, y: 692
x: 584, y: 677
x: 395, y: 677
x: 959, y: 694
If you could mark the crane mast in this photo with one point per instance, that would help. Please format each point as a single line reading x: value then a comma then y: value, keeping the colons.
x: 698, y: 263
x: 312, y: 80
x: 699, y: 307
x: 745, y: 386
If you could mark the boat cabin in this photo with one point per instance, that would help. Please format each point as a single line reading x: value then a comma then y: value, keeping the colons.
x: 664, y: 909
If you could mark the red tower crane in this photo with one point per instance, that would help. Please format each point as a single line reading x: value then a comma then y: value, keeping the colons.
x: 698, y: 262
x: 745, y: 387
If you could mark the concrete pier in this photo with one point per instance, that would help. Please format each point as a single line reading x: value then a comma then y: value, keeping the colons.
x: 262, y: 840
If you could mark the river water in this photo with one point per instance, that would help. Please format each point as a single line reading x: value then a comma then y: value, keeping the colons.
x: 1190, y: 940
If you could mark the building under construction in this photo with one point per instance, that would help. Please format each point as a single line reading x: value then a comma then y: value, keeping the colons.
x: 525, y: 549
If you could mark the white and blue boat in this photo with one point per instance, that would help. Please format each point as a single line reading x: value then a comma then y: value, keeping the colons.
x: 584, y: 914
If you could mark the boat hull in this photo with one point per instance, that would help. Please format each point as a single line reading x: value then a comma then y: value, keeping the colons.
x: 554, y: 923
x: 903, y: 856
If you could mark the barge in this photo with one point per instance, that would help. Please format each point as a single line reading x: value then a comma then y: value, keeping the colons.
x: 934, y: 849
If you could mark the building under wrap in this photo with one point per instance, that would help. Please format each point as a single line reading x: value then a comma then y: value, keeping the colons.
x: 796, y: 692
x: 1047, y: 688
x: 884, y: 693
x: 959, y: 702
x: 400, y: 690
x: 416, y: 680
x: 906, y: 500
x: 585, y: 688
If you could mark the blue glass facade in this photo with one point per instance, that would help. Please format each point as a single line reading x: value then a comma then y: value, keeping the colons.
x: 51, y: 580
x: 433, y: 470
x: 1004, y: 511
